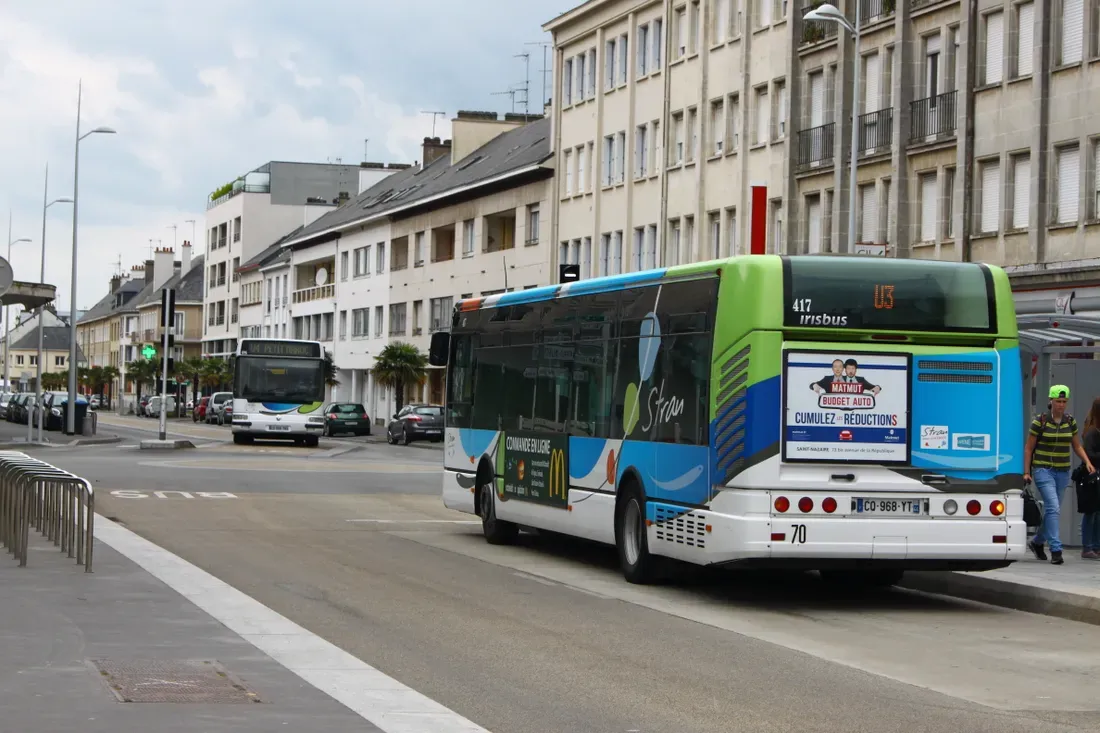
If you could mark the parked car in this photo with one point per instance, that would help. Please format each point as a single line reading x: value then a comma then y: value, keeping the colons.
x: 5, y: 398
x: 55, y: 405
x: 216, y: 408
x: 17, y: 408
x: 415, y: 422
x: 346, y: 417
x: 152, y: 407
x: 199, y: 413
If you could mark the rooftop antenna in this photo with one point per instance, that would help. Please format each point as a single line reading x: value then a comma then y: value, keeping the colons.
x: 512, y: 93
x: 434, y: 115
x: 366, y: 148
x: 526, y: 81
x: 545, y: 65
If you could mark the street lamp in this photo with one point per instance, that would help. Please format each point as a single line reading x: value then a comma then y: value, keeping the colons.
x: 830, y: 13
x: 42, y: 309
x: 70, y: 422
x: 7, y: 311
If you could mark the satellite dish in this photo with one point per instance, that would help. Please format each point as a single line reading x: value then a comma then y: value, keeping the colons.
x: 321, y: 277
x: 7, y: 277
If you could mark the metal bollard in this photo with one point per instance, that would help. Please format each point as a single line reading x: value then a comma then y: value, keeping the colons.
x: 59, y: 504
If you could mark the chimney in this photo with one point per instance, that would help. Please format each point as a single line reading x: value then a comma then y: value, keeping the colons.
x: 434, y: 150
x: 148, y: 271
x: 472, y: 129
x: 186, y: 265
x: 116, y: 282
x: 164, y: 265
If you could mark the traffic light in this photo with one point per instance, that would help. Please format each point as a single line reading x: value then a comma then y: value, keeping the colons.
x: 569, y: 273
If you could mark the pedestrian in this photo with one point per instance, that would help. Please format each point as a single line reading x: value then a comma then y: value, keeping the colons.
x: 1047, y: 455
x: 1088, y: 488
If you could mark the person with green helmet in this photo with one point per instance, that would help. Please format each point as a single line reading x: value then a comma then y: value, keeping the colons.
x: 1047, y: 459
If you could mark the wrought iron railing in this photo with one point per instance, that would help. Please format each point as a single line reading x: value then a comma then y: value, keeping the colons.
x: 815, y: 146
x: 933, y: 117
x: 876, y: 130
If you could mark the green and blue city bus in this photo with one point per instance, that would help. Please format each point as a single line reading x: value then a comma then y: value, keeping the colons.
x: 859, y: 416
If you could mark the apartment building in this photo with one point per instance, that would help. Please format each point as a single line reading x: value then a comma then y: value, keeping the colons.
x: 245, y: 217
x: 977, y: 136
x: 265, y: 289
x: 186, y: 278
x: 105, y: 330
x: 391, y: 264
x: 668, y: 113
x: 24, y: 347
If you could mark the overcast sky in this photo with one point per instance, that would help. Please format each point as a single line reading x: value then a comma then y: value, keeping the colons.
x: 203, y: 91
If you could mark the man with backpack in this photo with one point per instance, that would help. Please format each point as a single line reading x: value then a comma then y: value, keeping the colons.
x: 1047, y: 456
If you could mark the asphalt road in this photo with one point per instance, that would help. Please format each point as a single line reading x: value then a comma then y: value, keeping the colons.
x: 547, y: 637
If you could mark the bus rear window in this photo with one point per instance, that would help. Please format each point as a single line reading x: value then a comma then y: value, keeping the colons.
x: 894, y: 295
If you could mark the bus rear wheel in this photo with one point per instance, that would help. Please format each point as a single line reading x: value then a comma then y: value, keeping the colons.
x: 496, y: 531
x: 631, y: 538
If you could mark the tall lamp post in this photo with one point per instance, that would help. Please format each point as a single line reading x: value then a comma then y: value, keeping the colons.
x: 42, y: 310
x: 831, y: 14
x: 7, y: 313
x: 70, y: 421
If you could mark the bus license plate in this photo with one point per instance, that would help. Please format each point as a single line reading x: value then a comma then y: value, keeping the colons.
x: 889, y: 506
x: 278, y: 427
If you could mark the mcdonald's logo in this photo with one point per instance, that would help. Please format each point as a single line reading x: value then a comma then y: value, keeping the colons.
x: 559, y: 475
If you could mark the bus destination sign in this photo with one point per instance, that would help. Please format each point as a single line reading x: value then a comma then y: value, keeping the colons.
x: 299, y: 349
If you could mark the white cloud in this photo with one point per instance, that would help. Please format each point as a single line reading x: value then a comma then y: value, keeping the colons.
x: 202, y: 96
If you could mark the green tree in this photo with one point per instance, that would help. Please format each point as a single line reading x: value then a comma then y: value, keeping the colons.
x: 400, y: 364
x: 191, y: 370
x: 109, y: 374
x: 331, y: 371
x: 216, y: 374
x: 143, y: 371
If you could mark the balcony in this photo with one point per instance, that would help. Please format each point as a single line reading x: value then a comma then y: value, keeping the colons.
x: 815, y: 147
x: 876, y: 131
x: 318, y: 292
x: 933, y: 118
x: 816, y: 31
x: 250, y: 188
x: 874, y: 10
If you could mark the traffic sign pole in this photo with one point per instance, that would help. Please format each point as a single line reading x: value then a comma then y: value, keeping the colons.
x: 167, y: 320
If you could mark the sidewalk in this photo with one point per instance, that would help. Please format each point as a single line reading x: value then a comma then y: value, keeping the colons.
x: 1070, y: 591
x: 14, y: 436
x: 68, y: 637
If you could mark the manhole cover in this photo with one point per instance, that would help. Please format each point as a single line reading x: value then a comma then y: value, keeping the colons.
x: 186, y: 681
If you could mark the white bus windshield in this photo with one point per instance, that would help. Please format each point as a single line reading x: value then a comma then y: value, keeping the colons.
x: 290, y: 381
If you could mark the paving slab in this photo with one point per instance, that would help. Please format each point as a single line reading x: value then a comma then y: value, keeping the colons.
x: 118, y: 651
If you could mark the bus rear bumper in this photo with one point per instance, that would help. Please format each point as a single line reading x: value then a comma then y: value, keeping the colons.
x: 745, y: 532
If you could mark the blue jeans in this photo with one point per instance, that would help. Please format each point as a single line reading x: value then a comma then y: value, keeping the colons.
x: 1090, y: 531
x: 1051, y: 483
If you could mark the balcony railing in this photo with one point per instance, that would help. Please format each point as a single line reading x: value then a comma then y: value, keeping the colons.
x: 875, y: 9
x: 319, y: 292
x: 816, y: 31
x: 933, y: 117
x: 251, y: 188
x: 876, y: 130
x: 815, y: 146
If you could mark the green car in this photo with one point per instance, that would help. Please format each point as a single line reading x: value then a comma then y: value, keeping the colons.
x: 346, y: 417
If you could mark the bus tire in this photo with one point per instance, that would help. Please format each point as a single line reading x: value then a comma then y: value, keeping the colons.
x: 631, y: 539
x: 496, y: 531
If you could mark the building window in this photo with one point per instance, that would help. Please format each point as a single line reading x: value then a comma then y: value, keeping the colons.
x: 381, y: 252
x: 639, y: 248
x: 1021, y: 191
x: 693, y: 134
x: 567, y: 83
x: 781, y: 110
x: 343, y: 325
x: 362, y: 256
x: 994, y: 48
x: 441, y: 311
x: 567, y: 163
x: 617, y: 253
x: 717, y: 128
x: 608, y: 160
x: 1096, y: 179
x: 418, y: 251
x: 714, y: 234
x: 672, y: 247
x: 620, y: 157
x: 59, y: 361
x: 609, y: 65
x: 642, y: 50
x: 1071, y: 32
x: 623, y: 56
x: 590, y: 67
x: 991, y: 196
x: 814, y: 223
x: 397, y: 319
x: 868, y: 211
x: 676, y: 155
x: 640, y: 145
x: 605, y: 255
x: 343, y: 265
x: 928, y: 200
x: 949, y: 202
x: 533, y: 224
x: 581, y: 77
x: 379, y: 310
x: 763, y: 114
x: 1068, y: 160
x: 1025, y: 39
x: 650, y: 260
x: 582, y: 168
x: 778, y: 241
x: 658, y: 42
x: 680, y: 28
x: 585, y: 255
x: 731, y: 231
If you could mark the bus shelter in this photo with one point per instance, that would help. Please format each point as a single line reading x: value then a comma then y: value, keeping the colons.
x: 1061, y: 349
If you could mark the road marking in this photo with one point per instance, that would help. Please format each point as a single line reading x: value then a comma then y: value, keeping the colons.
x: 374, y: 696
x: 415, y: 521
x: 135, y: 494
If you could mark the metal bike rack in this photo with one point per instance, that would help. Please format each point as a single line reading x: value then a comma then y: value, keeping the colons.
x: 60, y: 505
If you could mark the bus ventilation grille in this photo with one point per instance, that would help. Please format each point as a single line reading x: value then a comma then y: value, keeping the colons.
x: 957, y: 366
x: 957, y: 378
x: 729, y: 436
x: 689, y: 529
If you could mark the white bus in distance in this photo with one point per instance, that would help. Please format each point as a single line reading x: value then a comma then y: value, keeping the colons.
x: 278, y: 391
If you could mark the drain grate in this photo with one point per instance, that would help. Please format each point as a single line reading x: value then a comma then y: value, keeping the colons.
x: 187, y: 681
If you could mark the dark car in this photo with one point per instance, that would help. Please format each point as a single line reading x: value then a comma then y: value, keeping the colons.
x: 17, y: 408
x: 346, y: 417
x: 415, y: 422
x: 56, y: 405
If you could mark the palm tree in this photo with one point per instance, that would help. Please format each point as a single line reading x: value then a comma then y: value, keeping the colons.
x: 93, y: 377
x: 400, y: 364
x: 143, y: 371
x: 109, y: 374
x: 192, y: 370
x: 216, y: 374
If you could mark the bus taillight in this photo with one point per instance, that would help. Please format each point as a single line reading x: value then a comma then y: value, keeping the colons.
x: 829, y: 505
x: 973, y: 507
x: 782, y: 504
x: 805, y: 504
x: 997, y: 508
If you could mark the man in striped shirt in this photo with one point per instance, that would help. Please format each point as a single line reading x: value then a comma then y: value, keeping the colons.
x: 1047, y: 456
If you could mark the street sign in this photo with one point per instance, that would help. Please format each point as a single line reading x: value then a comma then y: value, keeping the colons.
x: 148, y: 351
x: 7, y: 277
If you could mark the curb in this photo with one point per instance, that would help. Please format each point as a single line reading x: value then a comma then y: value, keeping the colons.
x: 1007, y: 594
x: 49, y: 444
x: 165, y: 444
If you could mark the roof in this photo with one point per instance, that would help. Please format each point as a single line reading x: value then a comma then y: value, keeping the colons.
x: 272, y: 255
x: 510, y: 154
x: 54, y: 338
x: 188, y: 287
x: 571, y: 14
x: 1056, y: 332
x: 106, y: 306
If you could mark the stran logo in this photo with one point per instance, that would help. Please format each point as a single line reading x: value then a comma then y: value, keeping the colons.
x: 559, y: 475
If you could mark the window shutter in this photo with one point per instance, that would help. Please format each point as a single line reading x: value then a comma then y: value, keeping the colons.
x: 817, y: 99
x: 1021, y: 193
x: 991, y: 196
x: 1025, y: 54
x: 1073, y: 13
x: 928, y: 200
x: 813, y: 235
x: 873, y: 75
x: 762, y: 115
x: 869, y: 207
x: 994, y: 47
x: 1068, y: 189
